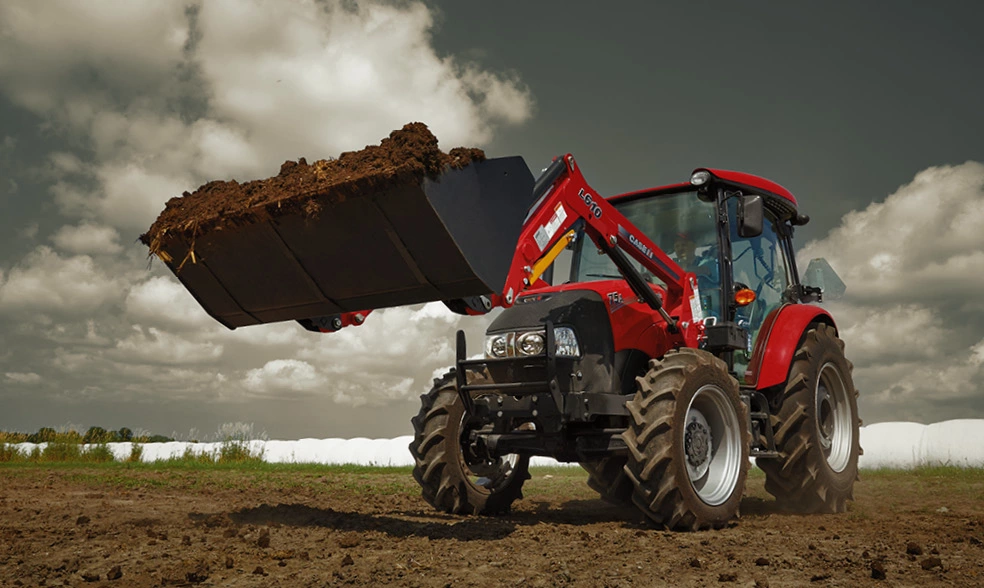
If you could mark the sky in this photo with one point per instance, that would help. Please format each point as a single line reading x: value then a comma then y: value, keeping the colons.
x: 870, y: 117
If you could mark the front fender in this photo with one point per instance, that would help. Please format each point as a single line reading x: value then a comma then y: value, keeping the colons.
x: 777, y: 342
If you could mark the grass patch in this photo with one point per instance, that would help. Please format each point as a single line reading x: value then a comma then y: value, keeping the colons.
x: 238, y: 451
x: 56, y: 452
x: 941, y: 472
x: 8, y: 452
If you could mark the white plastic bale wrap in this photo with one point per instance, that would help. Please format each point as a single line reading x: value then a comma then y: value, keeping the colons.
x: 907, y: 445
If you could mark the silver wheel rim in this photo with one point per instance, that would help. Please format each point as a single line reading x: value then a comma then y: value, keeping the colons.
x: 833, y: 418
x: 712, y: 445
x: 500, y: 471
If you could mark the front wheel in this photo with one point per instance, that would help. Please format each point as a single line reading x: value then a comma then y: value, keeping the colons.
x: 449, y: 481
x: 607, y: 477
x: 688, y: 442
x: 816, y: 429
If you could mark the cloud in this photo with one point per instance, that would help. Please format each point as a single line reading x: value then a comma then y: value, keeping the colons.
x: 161, y: 301
x: 154, y: 346
x: 912, y: 314
x: 393, y: 356
x: 30, y: 231
x: 29, y: 378
x: 922, y: 241
x: 285, y: 375
x: 48, y: 282
x: 891, y: 334
x: 88, y: 239
x: 343, y: 76
x: 51, y: 44
x: 131, y: 195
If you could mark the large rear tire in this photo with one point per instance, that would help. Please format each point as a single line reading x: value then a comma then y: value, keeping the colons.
x: 816, y: 430
x: 688, y: 442
x: 450, y: 483
x: 607, y: 477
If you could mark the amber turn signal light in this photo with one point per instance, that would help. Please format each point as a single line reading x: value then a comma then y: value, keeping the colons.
x: 744, y: 297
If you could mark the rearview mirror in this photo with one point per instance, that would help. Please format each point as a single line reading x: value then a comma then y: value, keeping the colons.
x: 750, y: 217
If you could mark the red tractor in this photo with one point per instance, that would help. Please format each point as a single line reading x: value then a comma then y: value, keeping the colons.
x: 660, y: 373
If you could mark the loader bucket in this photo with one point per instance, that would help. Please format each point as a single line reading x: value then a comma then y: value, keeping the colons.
x: 409, y: 242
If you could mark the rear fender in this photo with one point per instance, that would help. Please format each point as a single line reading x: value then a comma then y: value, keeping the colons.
x: 777, y: 342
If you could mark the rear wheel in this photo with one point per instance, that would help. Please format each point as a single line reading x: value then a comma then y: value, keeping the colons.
x: 816, y: 429
x: 448, y: 480
x: 688, y: 442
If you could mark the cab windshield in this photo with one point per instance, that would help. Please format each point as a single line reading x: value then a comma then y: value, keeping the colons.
x: 680, y: 224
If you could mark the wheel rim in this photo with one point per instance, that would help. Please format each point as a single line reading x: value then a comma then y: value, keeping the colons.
x: 833, y: 418
x: 712, y: 445
x: 486, y: 475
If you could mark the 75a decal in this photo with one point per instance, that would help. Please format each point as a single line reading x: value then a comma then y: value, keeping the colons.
x: 615, y: 301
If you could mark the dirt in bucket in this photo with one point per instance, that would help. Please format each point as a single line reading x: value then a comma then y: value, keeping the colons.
x: 406, y: 156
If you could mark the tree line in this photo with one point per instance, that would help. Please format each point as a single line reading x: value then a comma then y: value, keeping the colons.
x: 92, y: 435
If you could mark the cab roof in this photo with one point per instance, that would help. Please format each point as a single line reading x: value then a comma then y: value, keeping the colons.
x: 751, y: 182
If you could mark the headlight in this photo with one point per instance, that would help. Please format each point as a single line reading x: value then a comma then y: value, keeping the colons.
x: 531, y: 343
x: 496, y: 346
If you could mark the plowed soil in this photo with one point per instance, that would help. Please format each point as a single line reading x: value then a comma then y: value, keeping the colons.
x: 406, y: 156
x: 115, y: 526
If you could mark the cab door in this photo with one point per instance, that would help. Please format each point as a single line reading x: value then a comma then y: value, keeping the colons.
x: 760, y: 264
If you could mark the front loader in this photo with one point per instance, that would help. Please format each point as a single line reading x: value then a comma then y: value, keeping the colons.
x: 678, y: 344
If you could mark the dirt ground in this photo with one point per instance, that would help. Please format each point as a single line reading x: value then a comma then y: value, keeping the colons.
x: 117, y: 526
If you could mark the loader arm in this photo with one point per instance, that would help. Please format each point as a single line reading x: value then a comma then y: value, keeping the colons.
x: 564, y: 205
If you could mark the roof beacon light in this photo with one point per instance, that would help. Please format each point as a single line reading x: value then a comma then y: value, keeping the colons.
x: 700, y: 177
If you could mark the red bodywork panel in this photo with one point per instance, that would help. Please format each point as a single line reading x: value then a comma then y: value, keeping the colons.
x: 634, y: 324
x: 777, y: 342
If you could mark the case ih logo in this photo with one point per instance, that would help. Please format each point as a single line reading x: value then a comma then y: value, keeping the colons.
x: 589, y: 201
x: 636, y: 242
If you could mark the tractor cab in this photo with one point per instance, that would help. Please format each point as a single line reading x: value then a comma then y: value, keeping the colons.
x: 732, y: 230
